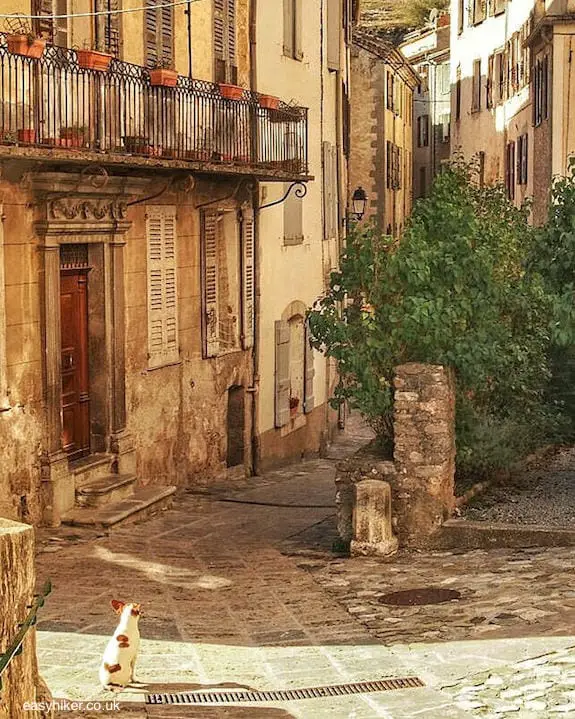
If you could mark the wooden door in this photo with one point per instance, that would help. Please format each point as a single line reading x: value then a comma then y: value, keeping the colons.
x: 75, y: 380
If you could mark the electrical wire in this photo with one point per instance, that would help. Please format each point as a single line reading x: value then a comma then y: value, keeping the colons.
x: 18, y: 16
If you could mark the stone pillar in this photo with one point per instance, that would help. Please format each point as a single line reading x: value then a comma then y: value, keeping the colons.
x: 122, y: 444
x: 372, y: 532
x: 424, y: 454
x: 57, y: 483
x: 17, y: 579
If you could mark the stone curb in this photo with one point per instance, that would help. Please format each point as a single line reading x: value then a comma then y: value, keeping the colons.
x: 467, y: 534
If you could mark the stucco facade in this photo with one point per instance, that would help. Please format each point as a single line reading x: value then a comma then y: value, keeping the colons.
x: 381, y: 156
x: 140, y: 282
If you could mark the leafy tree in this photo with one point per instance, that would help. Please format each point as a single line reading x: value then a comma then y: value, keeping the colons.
x: 416, y: 12
x: 456, y: 291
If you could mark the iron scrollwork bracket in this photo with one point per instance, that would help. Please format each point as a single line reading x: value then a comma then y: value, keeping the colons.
x: 299, y: 189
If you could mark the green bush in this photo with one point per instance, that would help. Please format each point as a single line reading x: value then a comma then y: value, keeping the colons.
x: 460, y: 289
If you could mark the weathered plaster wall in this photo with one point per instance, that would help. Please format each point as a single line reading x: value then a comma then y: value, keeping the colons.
x: 178, y: 414
x: 21, y: 420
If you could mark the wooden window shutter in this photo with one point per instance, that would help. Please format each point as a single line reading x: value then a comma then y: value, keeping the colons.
x: 545, y: 88
x: 333, y: 33
x: 293, y: 219
x: 248, y: 278
x: 163, y: 346
x: 112, y: 28
x: 298, y: 29
x: 308, y: 397
x: 282, y: 376
x: 525, y: 158
x: 151, y: 23
x: 289, y: 19
x: 231, y: 32
x: 328, y: 190
x: 44, y: 25
x: 334, y: 193
x: 211, y: 228
x: 166, y: 35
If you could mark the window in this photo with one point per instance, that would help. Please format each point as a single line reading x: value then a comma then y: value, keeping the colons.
x: 489, y: 82
x: 422, y: 181
x: 510, y: 170
x: 52, y: 29
x: 390, y: 96
x: 158, y: 34
x: 499, y: 6
x: 227, y: 244
x: 479, y: 9
x: 445, y: 122
x: 476, y: 87
x: 293, y: 219
x: 107, y: 27
x: 500, y: 76
x: 423, y: 131
x: 292, y: 44
x: 163, y: 346
x: 393, y: 166
x: 294, y: 368
x: 540, y: 90
x: 224, y: 33
x: 460, y: 16
x: 522, y: 159
x: 458, y: 96
x: 444, y: 78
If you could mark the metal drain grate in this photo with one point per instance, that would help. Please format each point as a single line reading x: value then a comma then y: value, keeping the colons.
x: 285, y: 695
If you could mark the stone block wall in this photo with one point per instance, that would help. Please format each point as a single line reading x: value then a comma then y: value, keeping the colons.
x: 424, y: 453
x: 422, y: 474
x: 17, y: 578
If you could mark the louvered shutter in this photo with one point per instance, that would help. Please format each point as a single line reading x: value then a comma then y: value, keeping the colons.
x: 288, y: 43
x: 112, y: 29
x: 44, y: 25
x: 293, y: 219
x: 231, y: 33
x: 334, y: 192
x: 298, y: 40
x: 309, y: 399
x: 248, y: 277
x: 499, y: 6
x: 162, y: 286
x: 525, y: 158
x: 282, y: 377
x: 150, y: 34
x: 166, y: 33
x: 211, y: 229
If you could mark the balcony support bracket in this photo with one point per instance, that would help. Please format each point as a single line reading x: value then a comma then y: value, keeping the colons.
x: 299, y: 188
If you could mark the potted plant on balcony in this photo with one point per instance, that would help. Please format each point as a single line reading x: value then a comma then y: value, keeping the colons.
x: 163, y: 74
x: 293, y: 406
x: 269, y: 102
x: 73, y: 136
x: 27, y: 135
x: 231, y: 92
x: 21, y: 40
x: 90, y: 59
x: 137, y: 144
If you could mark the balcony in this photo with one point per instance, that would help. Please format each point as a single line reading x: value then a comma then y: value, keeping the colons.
x: 54, y: 108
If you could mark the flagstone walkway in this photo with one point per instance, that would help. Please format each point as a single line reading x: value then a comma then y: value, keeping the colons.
x: 246, y: 593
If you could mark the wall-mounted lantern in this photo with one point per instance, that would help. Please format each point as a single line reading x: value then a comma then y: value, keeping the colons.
x: 359, y: 202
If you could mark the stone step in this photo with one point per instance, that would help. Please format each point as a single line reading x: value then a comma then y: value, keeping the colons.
x: 106, y: 490
x: 90, y: 468
x: 140, y: 505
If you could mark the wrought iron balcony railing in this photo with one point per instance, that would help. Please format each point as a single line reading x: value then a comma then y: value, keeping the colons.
x: 54, y: 102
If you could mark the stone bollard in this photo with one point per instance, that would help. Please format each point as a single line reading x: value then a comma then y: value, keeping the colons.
x: 372, y: 529
x: 424, y: 453
x: 21, y: 682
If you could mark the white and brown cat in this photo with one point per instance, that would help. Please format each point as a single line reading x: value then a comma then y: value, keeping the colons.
x: 119, y: 660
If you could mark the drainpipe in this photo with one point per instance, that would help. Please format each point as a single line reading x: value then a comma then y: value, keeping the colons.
x: 189, y: 14
x: 257, y: 256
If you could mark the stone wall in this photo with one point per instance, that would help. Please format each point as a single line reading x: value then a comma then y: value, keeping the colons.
x: 421, y: 476
x: 17, y: 578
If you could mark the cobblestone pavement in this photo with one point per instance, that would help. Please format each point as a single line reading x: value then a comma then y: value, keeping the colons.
x: 246, y: 593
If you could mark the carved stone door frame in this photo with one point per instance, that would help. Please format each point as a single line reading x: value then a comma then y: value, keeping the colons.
x: 78, y: 209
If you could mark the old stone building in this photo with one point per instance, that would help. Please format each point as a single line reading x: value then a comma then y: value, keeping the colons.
x: 427, y: 49
x: 381, y: 155
x: 133, y: 251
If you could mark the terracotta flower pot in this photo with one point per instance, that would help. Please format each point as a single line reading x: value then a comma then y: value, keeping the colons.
x: 231, y: 92
x: 269, y: 102
x: 161, y: 77
x: 27, y: 135
x: 23, y: 45
x: 93, y: 60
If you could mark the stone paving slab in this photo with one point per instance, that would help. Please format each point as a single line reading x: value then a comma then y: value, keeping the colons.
x: 223, y: 606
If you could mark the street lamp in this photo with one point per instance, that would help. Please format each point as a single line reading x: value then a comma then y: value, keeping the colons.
x: 359, y: 202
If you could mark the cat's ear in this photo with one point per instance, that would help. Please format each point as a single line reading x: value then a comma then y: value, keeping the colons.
x: 117, y: 606
x: 136, y: 610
